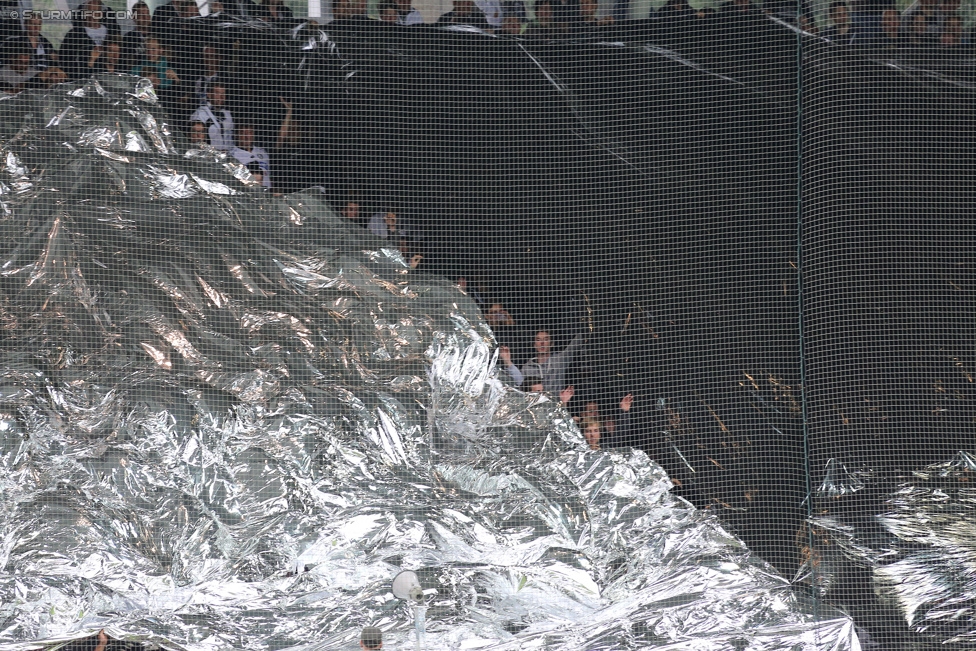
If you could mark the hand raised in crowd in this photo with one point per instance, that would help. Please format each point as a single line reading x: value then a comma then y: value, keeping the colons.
x: 627, y: 402
x: 506, y: 355
x: 102, y: 641
x: 93, y: 57
x: 287, y: 104
x: 567, y: 394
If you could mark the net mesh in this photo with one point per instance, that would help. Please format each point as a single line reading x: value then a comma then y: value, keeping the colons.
x: 330, y: 250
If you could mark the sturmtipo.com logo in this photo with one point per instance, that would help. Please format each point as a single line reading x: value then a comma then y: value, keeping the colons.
x: 64, y: 14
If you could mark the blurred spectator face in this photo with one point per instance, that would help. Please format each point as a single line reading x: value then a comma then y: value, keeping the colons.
x: 350, y: 8
x: 588, y: 9
x: 591, y: 410
x: 511, y: 25
x: 542, y: 342
x: 498, y: 315
x: 20, y: 62
x: 351, y: 211
x: 245, y: 137
x: 186, y: 8
x: 950, y: 7
x: 153, y: 50
x: 141, y: 17
x: 113, y: 50
x: 33, y: 25
x: 211, y: 60
x: 463, y: 7
x: 592, y: 434
x: 537, y: 388
x: 919, y: 26
x: 951, y: 31
x: 257, y: 177
x: 404, y: 5
x: 890, y: 23
x: 839, y: 16
x: 543, y: 13
x: 389, y: 15
x: 198, y: 133
x: 217, y: 95
x: 92, y: 13
x: 390, y: 219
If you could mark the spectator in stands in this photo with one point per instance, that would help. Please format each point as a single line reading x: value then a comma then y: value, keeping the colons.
x: 347, y: 9
x: 198, y: 134
x: 273, y: 11
x: 473, y: 289
x: 371, y: 639
x: 920, y: 33
x: 210, y: 74
x: 551, y: 368
x: 219, y: 122
x: 890, y: 30
x: 512, y: 25
x: 498, y: 316
x: 110, y: 59
x: 247, y: 153
x: 178, y: 26
x: 912, y: 26
x: 257, y: 173
x: 18, y: 74
x: 134, y: 42
x: 544, y: 25
x: 534, y: 384
x: 840, y: 30
x: 951, y: 38
x: 388, y: 12
x: 464, y: 13
x: 351, y: 211
x: 83, y: 44
x: 591, y: 410
x: 492, y: 9
x: 675, y: 9
x: 406, y: 14
x: 42, y: 52
x: 600, y: 437
x: 155, y: 67
x: 588, y: 15
x: 383, y: 224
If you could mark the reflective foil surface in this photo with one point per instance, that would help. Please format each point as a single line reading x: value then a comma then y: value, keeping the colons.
x: 918, y: 546
x: 227, y: 420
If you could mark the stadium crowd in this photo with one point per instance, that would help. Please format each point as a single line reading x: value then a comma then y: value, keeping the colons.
x: 174, y: 47
x: 192, y: 67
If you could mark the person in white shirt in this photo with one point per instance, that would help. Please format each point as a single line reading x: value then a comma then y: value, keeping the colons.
x: 246, y: 153
x: 219, y: 122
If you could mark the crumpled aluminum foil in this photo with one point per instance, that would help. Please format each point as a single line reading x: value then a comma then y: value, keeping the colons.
x: 228, y: 420
x: 918, y: 542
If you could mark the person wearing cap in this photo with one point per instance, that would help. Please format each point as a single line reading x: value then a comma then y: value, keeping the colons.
x: 371, y: 638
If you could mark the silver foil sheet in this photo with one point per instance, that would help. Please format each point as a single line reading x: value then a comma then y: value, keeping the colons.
x: 227, y: 420
x: 916, y: 539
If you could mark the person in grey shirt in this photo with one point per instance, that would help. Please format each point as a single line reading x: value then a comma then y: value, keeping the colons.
x: 551, y: 368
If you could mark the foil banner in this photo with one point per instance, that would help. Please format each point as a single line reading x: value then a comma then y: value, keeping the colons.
x: 228, y: 420
x: 914, y: 536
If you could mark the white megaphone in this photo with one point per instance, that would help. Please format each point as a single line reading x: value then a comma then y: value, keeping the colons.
x: 406, y: 586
